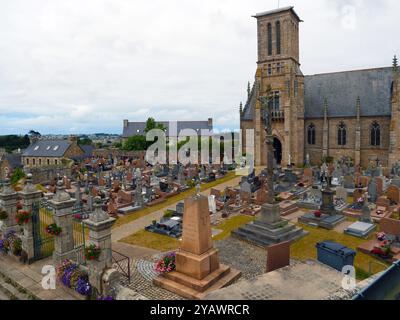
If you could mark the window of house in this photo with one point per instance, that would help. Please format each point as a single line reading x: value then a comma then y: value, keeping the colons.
x: 27, y: 161
x: 33, y: 161
x: 342, y: 134
x: 296, y: 87
x: 311, y: 134
x: 48, y: 162
x: 40, y: 162
x: 55, y: 161
x: 375, y: 134
x: 269, y: 69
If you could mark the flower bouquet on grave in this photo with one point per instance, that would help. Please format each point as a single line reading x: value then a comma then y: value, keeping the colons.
x: 381, y: 236
x: 92, y: 252
x: 317, y: 214
x: 53, y: 229
x: 23, y: 216
x: 166, y: 264
x: 3, y: 215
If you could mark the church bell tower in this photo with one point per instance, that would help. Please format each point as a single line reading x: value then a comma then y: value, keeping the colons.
x: 279, y: 75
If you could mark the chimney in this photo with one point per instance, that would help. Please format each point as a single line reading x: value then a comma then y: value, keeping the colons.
x: 125, y: 123
x: 210, y: 123
x: 73, y: 139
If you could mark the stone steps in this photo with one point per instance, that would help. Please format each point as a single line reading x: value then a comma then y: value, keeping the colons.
x: 190, y: 293
x: 11, y: 291
x: 264, y: 240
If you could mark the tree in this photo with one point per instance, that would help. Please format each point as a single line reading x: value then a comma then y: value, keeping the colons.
x: 85, y: 141
x: 152, y: 124
x: 17, y: 175
x: 136, y: 143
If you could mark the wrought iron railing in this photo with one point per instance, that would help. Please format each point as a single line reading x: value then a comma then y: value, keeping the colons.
x: 122, y: 263
x: 278, y: 115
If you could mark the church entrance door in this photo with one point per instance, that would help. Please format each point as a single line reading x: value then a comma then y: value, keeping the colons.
x: 277, y: 151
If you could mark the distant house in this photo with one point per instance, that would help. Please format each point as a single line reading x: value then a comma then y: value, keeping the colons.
x: 131, y: 129
x: 9, y: 162
x: 51, y: 152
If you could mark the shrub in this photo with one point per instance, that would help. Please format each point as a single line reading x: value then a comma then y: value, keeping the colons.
x: 23, y: 217
x: 92, y: 252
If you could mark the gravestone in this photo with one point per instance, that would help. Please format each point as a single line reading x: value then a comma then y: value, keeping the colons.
x: 341, y: 193
x: 348, y: 182
x: 278, y: 256
x: 393, y: 194
x: 198, y: 270
x: 396, y: 181
x: 373, y: 191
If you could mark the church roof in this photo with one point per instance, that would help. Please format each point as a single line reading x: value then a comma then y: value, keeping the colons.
x: 341, y: 89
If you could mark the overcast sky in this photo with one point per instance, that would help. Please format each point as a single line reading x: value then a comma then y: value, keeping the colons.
x: 82, y: 66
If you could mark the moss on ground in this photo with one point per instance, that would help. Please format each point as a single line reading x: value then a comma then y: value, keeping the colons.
x: 164, y: 243
x: 152, y: 240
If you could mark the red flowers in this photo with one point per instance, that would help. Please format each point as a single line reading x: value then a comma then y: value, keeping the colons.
x: 92, y: 252
x: 23, y: 217
x: 53, y: 229
x: 317, y: 214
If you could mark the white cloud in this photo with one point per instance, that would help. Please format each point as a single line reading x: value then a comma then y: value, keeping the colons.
x: 85, y: 66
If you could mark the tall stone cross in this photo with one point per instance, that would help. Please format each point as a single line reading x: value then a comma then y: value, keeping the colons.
x: 266, y: 107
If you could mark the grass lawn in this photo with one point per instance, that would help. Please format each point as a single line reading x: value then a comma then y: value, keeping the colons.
x: 152, y: 240
x: 305, y: 249
x: 231, y: 224
x: 181, y: 196
x: 164, y: 243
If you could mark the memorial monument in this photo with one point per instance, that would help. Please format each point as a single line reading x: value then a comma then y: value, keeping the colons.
x: 198, y: 271
x: 269, y: 228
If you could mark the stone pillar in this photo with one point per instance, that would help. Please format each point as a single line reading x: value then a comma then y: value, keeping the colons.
x: 325, y: 132
x: 357, y: 154
x: 99, y: 225
x: 62, y: 205
x: 8, y: 200
x: 30, y: 195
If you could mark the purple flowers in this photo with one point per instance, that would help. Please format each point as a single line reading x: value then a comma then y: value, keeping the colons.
x: 71, y: 277
x: 83, y: 286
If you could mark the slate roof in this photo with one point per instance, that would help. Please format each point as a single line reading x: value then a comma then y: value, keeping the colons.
x: 137, y: 128
x: 341, y: 89
x: 88, y: 152
x: 47, y: 148
x: 14, y: 159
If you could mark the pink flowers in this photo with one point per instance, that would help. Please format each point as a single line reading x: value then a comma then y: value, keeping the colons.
x: 166, y: 264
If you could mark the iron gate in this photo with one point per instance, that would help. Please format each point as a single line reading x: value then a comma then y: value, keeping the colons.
x: 43, y: 243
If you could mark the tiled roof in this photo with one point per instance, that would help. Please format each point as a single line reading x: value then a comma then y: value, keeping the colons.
x: 47, y: 148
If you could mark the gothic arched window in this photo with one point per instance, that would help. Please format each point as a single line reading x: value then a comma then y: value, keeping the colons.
x: 311, y: 134
x: 269, y: 39
x: 278, y: 37
x: 375, y: 134
x: 342, y: 134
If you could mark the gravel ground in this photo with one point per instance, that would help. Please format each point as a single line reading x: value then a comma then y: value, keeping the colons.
x: 249, y: 259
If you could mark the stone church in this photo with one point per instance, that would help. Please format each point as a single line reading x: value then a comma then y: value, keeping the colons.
x: 324, y: 116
